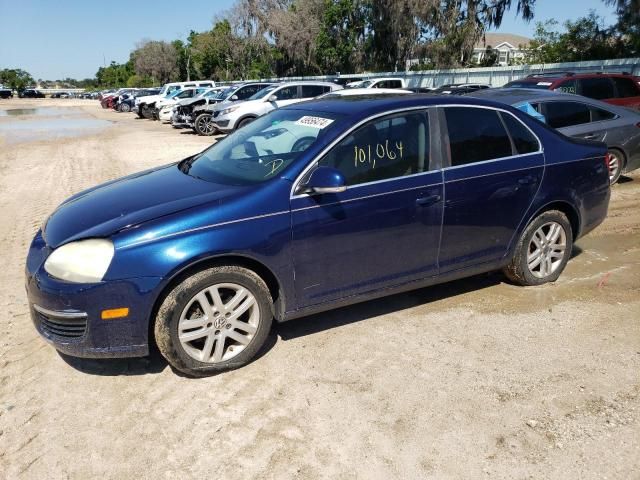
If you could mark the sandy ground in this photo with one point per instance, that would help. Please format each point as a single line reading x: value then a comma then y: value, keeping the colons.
x: 473, y: 379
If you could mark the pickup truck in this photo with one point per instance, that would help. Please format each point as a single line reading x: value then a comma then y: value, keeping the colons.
x: 5, y: 92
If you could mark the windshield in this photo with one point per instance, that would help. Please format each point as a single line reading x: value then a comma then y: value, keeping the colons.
x: 262, y: 149
x: 211, y: 94
x: 263, y: 93
x: 365, y: 84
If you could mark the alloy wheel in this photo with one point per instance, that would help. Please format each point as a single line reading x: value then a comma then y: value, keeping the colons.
x: 218, y: 323
x: 205, y: 124
x: 546, y: 249
x: 614, y: 166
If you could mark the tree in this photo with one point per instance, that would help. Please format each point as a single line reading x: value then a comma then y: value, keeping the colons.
x: 156, y: 59
x: 490, y: 57
x: 584, y: 39
x: 340, y: 42
x: 627, y: 29
x: 16, y: 78
x: 115, y: 75
x: 451, y: 28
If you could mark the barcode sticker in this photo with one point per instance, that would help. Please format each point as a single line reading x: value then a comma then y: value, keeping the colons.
x: 315, y: 122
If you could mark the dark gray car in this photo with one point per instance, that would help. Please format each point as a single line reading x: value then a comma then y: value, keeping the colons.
x: 578, y: 116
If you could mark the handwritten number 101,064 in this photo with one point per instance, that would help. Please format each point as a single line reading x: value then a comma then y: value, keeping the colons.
x: 382, y: 151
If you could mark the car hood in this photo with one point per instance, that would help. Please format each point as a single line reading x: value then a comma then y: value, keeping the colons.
x: 188, y: 101
x: 226, y: 104
x: 164, y: 102
x: 130, y: 201
x: 150, y: 98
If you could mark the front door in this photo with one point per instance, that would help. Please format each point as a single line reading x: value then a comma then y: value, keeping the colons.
x: 384, y: 229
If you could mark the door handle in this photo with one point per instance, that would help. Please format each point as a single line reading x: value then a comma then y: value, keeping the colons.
x: 590, y: 136
x: 527, y: 180
x: 428, y: 200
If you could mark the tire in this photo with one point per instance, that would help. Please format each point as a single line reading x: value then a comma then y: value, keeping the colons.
x: 147, y: 112
x: 124, y: 107
x: 616, y: 165
x: 200, y: 344
x: 203, y: 125
x: 244, y: 121
x: 527, y: 267
x: 139, y: 113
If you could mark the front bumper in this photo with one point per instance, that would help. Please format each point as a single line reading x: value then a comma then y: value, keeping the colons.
x: 68, y: 315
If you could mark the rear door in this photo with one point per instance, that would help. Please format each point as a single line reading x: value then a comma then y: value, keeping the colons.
x: 578, y: 119
x: 627, y: 92
x: 494, y: 168
x: 598, y: 88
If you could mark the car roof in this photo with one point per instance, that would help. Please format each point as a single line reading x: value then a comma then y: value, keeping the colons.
x: 556, y: 76
x: 305, y: 82
x: 514, y: 96
x: 368, y: 105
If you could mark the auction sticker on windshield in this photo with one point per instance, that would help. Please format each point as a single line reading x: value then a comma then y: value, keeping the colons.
x: 315, y: 122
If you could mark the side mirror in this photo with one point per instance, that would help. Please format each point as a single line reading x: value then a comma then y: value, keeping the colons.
x: 234, y: 98
x: 325, y: 180
x: 273, y: 98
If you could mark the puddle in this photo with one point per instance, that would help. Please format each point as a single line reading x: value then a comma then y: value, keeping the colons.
x: 45, y: 112
x: 54, y: 123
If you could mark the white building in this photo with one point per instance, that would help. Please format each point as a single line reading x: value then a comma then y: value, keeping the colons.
x: 507, y: 46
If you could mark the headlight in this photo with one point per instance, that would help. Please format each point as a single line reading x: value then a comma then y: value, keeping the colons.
x: 227, y: 111
x: 85, y: 261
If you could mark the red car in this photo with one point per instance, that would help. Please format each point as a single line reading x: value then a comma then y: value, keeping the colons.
x: 107, y: 100
x: 615, y: 88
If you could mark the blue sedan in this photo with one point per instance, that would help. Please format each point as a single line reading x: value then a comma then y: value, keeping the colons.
x: 309, y: 208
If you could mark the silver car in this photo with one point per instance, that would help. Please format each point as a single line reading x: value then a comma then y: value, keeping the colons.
x: 228, y: 117
x: 578, y: 116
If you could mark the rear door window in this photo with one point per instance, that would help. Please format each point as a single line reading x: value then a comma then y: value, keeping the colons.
x: 476, y: 135
x: 599, y: 88
x: 287, y: 93
x: 599, y: 114
x: 523, y: 139
x: 310, y: 91
x: 626, y: 87
x: 566, y: 114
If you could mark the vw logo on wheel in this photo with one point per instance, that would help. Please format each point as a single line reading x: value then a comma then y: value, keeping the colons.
x: 219, y: 322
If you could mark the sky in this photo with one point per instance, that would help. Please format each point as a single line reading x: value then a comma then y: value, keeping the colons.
x: 72, y: 38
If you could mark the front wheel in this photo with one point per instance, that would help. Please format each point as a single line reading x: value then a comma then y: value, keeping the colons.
x: 146, y: 112
x: 543, y: 250
x: 124, y: 107
x: 203, y: 125
x: 245, y: 121
x: 215, y: 320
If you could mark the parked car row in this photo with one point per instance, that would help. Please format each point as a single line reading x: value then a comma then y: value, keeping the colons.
x: 555, y: 99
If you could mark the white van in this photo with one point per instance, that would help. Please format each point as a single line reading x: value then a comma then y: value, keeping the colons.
x: 144, y: 105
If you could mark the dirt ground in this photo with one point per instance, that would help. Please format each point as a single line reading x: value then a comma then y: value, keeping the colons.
x: 473, y: 379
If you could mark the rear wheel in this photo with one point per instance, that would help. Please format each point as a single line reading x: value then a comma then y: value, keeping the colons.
x: 616, y: 164
x: 203, y: 125
x: 216, y: 320
x: 543, y: 250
